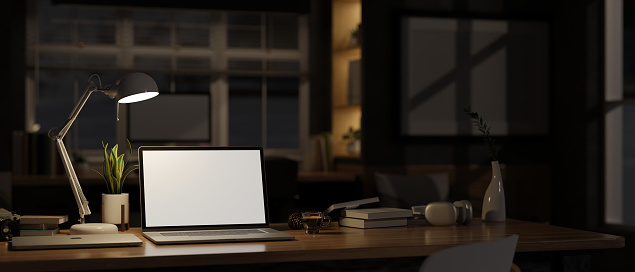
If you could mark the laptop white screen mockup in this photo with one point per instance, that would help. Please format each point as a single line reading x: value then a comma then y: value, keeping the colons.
x: 203, y: 187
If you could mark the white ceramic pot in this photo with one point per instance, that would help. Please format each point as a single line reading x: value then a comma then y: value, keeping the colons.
x: 354, y: 147
x: 494, y: 199
x: 111, y: 208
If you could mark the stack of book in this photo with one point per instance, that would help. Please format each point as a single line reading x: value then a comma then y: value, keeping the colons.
x: 375, y: 217
x: 41, y: 225
x: 336, y: 208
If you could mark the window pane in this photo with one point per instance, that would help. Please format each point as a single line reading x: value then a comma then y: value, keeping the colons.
x: 155, y: 63
x: 55, y: 23
x: 192, y: 29
x: 55, y: 60
x: 190, y: 36
x: 628, y: 150
x: 245, y: 111
x: 614, y: 165
x: 244, y: 65
x: 96, y: 25
x: 97, y: 121
x: 96, y: 33
x: 58, y: 32
x: 629, y: 61
x: 243, y: 19
x: 152, y: 27
x: 192, y: 83
x: 282, y: 31
x: 244, y: 30
x: 193, y: 64
x: 243, y: 38
x: 90, y: 61
x: 283, y: 115
x: 55, y: 100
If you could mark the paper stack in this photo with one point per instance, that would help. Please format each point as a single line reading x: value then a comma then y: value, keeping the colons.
x: 375, y: 217
x: 41, y: 225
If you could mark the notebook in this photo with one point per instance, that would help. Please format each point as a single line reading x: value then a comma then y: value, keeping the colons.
x: 74, y: 241
x: 204, y: 195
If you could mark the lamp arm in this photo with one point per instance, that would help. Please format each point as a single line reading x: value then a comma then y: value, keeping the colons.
x: 80, y: 198
x: 78, y: 107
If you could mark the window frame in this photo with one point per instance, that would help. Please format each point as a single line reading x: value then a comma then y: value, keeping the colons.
x: 217, y: 51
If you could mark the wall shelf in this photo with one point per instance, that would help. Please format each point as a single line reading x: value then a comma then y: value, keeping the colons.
x: 346, y: 111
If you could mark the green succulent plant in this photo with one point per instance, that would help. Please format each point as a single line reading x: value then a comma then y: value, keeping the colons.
x: 115, y: 170
x: 352, y: 134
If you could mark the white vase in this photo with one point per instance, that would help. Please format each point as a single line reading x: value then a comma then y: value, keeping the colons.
x: 494, y: 199
x: 112, y: 208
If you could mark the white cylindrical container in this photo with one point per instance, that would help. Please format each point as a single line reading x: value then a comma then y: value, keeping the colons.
x: 112, y: 208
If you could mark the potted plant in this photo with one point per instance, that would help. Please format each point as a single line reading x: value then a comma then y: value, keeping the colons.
x: 494, y: 199
x: 355, y: 41
x: 353, y: 137
x: 115, y: 203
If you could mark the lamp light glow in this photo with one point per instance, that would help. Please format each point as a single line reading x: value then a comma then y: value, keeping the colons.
x: 137, y: 97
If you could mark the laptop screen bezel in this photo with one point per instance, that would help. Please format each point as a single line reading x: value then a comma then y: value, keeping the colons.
x: 141, y: 151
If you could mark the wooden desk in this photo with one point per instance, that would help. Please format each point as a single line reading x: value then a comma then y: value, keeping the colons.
x: 334, y: 243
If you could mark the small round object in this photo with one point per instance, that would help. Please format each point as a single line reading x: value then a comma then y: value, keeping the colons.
x: 295, y: 220
x: 8, y: 229
x: 441, y: 213
x: 93, y: 228
x: 469, y: 212
x: 461, y: 212
x: 464, y: 207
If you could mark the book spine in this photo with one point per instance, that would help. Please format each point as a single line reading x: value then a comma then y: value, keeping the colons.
x: 38, y: 226
x: 43, y: 219
x: 377, y: 215
x: 372, y: 223
x: 48, y: 232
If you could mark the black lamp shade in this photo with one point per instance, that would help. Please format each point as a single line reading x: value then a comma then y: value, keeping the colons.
x: 136, y: 87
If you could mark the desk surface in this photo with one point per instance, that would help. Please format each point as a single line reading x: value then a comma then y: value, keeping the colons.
x: 334, y: 243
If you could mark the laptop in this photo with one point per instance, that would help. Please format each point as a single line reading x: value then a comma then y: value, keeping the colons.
x: 74, y: 241
x: 203, y: 194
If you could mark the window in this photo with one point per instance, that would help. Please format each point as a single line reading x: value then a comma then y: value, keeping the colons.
x: 619, y: 114
x: 251, y: 65
x: 274, y: 98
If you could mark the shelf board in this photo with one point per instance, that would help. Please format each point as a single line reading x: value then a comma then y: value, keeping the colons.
x: 349, y: 51
x: 345, y: 107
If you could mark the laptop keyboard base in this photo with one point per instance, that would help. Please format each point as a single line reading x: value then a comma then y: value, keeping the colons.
x: 213, y: 232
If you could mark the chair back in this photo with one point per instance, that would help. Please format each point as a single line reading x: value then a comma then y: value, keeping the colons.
x: 490, y: 256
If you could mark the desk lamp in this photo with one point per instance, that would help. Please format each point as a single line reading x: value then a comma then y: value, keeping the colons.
x: 132, y: 88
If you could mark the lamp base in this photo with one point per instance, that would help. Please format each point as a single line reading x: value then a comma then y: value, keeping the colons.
x: 93, y: 228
